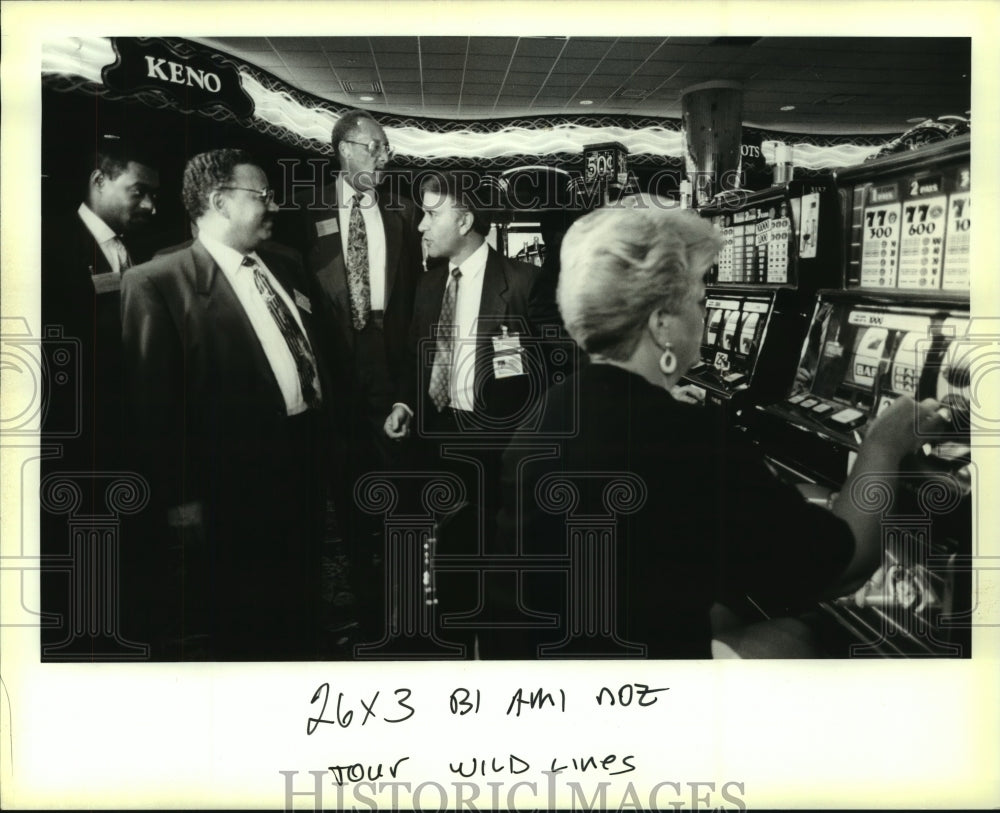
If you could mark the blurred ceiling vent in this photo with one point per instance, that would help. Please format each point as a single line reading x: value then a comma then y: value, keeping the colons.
x: 365, y: 86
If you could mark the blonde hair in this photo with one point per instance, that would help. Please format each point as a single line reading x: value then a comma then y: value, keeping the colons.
x: 618, y: 264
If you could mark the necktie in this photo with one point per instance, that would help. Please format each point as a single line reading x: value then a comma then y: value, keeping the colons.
x: 118, y: 250
x: 357, y: 267
x: 440, y: 387
x: 294, y: 337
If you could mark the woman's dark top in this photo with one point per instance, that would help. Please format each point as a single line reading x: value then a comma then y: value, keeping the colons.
x: 698, y: 516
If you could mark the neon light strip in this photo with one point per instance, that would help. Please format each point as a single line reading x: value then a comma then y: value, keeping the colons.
x: 86, y: 56
x: 282, y: 110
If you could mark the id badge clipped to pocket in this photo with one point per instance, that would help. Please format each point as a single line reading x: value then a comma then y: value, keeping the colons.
x: 507, y: 350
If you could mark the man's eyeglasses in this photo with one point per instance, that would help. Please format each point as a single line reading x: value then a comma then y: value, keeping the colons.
x: 265, y: 196
x: 374, y: 147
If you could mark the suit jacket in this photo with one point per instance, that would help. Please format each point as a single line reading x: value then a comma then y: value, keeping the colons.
x: 213, y: 436
x: 505, y: 302
x: 70, y: 259
x: 320, y: 236
x: 199, y: 384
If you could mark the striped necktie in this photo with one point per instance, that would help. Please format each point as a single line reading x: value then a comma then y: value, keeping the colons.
x: 440, y: 386
x: 356, y: 262
x: 293, y: 335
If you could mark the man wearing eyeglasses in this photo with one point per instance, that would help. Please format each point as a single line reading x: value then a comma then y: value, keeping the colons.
x: 229, y: 389
x: 363, y: 246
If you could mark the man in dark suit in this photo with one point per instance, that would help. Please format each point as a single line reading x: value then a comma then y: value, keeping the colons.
x: 231, y: 395
x: 84, y: 254
x: 479, y: 380
x: 85, y: 251
x: 363, y: 247
x: 471, y: 382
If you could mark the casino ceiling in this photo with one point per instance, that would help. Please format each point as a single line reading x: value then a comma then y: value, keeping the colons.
x: 829, y: 85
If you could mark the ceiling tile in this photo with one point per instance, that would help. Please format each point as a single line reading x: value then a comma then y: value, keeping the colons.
x: 885, y: 77
x: 294, y: 43
x: 262, y: 59
x: 393, y: 60
x: 342, y: 45
x: 351, y: 60
x: 306, y: 59
x: 540, y: 46
x: 312, y: 73
x: 451, y: 62
x: 531, y: 64
x: 480, y: 87
x: 477, y: 99
x: 443, y: 45
x: 496, y: 46
x: 393, y: 45
x: 489, y: 62
x: 485, y: 77
x: 396, y: 74
x: 586, y: 48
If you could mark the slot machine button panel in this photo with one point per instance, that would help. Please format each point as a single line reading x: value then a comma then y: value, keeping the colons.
x: 849, y: 418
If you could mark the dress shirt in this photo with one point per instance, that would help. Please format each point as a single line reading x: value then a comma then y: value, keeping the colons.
x: 470, y: 292
x: 375, y: 232
x: 279, y: 357
x: 103, y: 235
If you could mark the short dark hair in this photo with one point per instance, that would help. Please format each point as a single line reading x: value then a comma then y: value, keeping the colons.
x: 345, y: 124
x: 114, y: 154
x: 461, y: 188
x: 208, y: 171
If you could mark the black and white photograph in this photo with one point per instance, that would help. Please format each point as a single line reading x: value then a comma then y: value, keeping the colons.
x: 498, y: 406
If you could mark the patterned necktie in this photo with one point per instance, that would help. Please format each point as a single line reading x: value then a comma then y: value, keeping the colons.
x: 294, y: 338
x: 118, y: 250
x: 357, y: 267
x: 440, y: 387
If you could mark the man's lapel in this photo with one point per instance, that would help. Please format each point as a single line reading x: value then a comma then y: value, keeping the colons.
x: 392, y: 225
x: 96, y: 262
x: 232, y: 332
x: 493, y: 302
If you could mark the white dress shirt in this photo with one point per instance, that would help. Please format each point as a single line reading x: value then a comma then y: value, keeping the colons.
x: 374, y: 230
x: 470, y: 293
x: 279, y: 357
x: 104, y: 236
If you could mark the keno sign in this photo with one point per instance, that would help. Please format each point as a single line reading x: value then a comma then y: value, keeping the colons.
x: 182, y: 74
x: 191, y: 78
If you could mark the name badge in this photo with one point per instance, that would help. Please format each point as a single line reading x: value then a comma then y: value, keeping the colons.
x: 507, y: 350
x: 302, y: 301
x: 325, y: 227
x: 107, y: 283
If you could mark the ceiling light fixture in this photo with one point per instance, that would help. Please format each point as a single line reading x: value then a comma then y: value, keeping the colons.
x: 786, y: 107
x: 586, y: 101
x: 366, y: 98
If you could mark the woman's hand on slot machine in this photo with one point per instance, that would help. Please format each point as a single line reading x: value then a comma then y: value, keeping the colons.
x: 904, y: 426
x: 688, y: 394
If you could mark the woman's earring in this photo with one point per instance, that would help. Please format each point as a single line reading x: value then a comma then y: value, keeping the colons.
x: 668, y: 361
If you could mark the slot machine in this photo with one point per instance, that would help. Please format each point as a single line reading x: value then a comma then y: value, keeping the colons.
x: 780, y: 246
x: 898, y: 325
